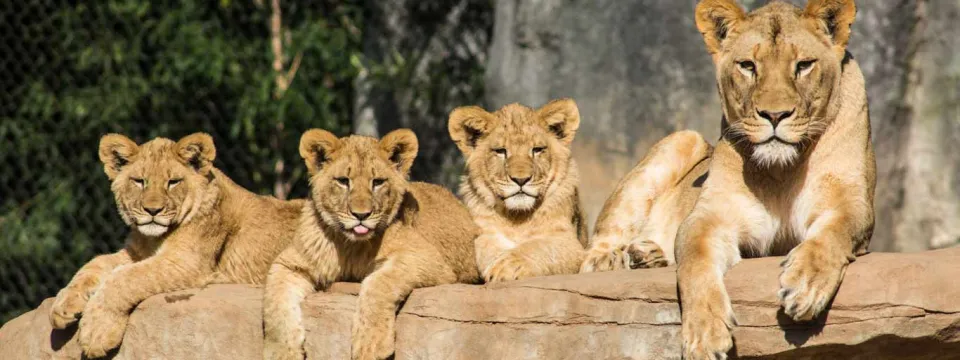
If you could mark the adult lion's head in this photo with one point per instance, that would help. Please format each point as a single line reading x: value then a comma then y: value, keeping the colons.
x: 778, y: 70
x: 516, y: 155
x: 357, y: 183
x: 161, y: 183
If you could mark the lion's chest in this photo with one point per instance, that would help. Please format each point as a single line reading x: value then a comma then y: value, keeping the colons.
x: 775, y: 223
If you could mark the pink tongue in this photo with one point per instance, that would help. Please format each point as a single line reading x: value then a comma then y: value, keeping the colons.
x: 360, y: 229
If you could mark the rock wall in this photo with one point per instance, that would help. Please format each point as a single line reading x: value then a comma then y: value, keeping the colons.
x: 890, y: 306
x: 639, y: 71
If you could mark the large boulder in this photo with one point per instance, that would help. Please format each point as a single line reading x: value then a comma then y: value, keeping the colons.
x: 890, y: 306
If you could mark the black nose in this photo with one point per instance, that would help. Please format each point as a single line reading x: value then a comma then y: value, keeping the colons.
x: 520, y: 180
x: 360, y: 215
x: 153, y: 211
x: 774, y: 117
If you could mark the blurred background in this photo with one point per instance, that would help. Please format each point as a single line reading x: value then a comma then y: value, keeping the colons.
x: 255, y: 74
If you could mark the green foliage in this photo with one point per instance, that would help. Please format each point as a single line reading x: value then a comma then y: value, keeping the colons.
x: 73, y: 72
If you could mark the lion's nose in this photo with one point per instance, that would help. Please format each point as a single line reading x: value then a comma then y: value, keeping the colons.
x: 520, y: 180
x: 360, y: 215
x: 153, y: 211
x: 774, y: 117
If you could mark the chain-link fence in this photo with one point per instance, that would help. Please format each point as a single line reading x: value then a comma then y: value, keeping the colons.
x: 253, y: 73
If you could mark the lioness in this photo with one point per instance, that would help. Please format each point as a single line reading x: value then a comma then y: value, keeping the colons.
x: 364, y: 221
x: 794, y: 172
x: 190, y: 225
x: 521, y: 188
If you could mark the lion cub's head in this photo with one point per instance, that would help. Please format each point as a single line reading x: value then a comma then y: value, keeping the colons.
x: 778, y: 70
x: 515, y: 155
x: 161, y: 183
x: 358, y: 183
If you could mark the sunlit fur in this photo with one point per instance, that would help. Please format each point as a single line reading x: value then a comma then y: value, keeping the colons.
x: 520, y: 185
x: 420, y: 235
x: 769, y: 68
x: 191, y: 225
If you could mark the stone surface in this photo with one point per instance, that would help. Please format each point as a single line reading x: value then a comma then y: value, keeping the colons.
x: 890, y: 306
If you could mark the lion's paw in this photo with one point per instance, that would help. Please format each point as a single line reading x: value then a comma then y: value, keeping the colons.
x: 67, y: 308
x: 642, y: 255
x: 279, y: 351
x: 706, y: 334
x: 508, y: 267
x: 371, y: 344
x: 811, y: 275
x: 101, y: 330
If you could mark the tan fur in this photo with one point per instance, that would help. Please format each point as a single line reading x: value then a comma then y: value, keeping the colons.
x: 521, y: 188
x: 639, y: 221
x: 419, y: 235
x: 204, y: 228
x: 794, y: 173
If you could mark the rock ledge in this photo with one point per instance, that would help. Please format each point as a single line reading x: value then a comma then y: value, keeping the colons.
x: 890, y: 306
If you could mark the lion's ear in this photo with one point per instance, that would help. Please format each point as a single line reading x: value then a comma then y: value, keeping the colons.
x: 116, y: 151
x: 400, y: 147
x: 316, y: 145
x: 717, y: 20
x: 468, y: 124
x: 562, y: 117
x: 832, y: 18
x: 197, y: 151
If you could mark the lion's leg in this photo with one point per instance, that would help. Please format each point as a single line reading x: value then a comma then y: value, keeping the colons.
x: 489, y: 247
x: 626, y: 212
x: 707, y: 248
x: 813, y: 270
x: 380, y: 296
x: 547, y: 255
x: 105, y: 316
x: 288, y: 283
x: 71, y: 299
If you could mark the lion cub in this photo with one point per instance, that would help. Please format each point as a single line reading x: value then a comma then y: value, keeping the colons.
x: 521, y: 188
x: 365, y: 221
x: 190, y: 224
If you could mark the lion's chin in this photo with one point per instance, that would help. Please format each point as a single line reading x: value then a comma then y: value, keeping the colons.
x: 775, y: 153
x: 152, y: 229
x: 520, y: 202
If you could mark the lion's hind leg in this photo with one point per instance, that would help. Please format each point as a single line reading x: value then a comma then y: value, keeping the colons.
x: 632, y: 209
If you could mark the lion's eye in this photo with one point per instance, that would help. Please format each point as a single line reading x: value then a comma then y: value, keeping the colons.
x: 139, y: 182
x: 378, y: 182
x: 500, y: 152
x: 747, y: 67
x: 173, y: 183
x: 804, y: 67
x: 343, y: 181
x: 537, y: 150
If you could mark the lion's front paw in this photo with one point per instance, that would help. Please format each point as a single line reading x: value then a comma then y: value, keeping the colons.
x: 101, y: 330
x: 371, y: 343
x: 279, y: 351
x: 67, y: 308
x: 811, y: 275
x: 706, y: 334
x: 645, y: 254
x: 508, y: 267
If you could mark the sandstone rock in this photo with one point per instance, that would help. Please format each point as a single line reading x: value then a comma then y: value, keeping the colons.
x: 890, y: 306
